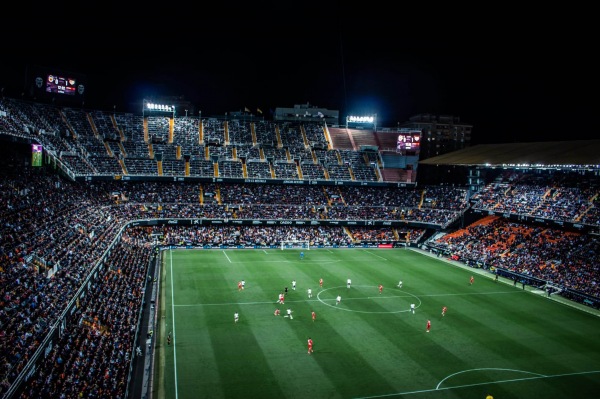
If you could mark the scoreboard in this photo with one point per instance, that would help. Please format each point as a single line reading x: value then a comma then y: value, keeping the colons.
x: 36, y: 155
x: 409, y: 143
x: 61, y: 85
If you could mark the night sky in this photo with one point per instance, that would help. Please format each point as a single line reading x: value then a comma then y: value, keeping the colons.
x: 516, y: 76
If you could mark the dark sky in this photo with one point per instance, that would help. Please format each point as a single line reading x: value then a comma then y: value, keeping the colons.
x: 515, y: 75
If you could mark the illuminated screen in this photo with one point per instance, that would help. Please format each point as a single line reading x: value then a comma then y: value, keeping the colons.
x: 409, y: 143
x: 60, y: 85
x: 36, y: 155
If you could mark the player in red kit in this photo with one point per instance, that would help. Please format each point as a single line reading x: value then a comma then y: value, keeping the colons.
x: 321, y: 282
x: 239, y: 285
x: 428, y: 326
x: 277, y: 312
x: 444, y: 311
x: 471, y: 280
x: 314, y: 315
x: 310, y: 346
x: 380, y: 288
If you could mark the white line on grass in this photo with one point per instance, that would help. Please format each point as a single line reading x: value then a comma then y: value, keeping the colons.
x: 408, y: 295
x: 478, y: 384
x: 286, y: 261
x: 249, y: 303
x: 260, y: 261
x: 487, y: 368
x: 173, y: 323
x: 225, y: 253
x: 477, y: 293
x: 371, y: 253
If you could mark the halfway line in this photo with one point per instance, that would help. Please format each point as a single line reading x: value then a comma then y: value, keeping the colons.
x: 333, y: 299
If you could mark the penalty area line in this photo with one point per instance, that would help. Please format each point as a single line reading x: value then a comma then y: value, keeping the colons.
x: 537, y: 377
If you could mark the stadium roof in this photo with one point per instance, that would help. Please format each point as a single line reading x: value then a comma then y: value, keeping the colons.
x: 575, y: 153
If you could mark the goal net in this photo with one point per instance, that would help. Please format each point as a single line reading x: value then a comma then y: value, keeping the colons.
x: 298, y: 244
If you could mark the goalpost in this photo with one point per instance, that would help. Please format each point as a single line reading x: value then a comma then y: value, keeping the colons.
x: 290, y: 244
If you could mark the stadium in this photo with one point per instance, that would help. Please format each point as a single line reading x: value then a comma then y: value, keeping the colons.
x: 126, y: 238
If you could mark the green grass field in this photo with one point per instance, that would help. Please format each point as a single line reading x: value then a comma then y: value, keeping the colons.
x: 495, y: 339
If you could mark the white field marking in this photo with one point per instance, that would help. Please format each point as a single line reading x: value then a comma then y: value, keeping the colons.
x: 476, y: 293
x: 225, y: 253
x: 333, y: 305
x: 478, y: 384
x: 287, y: 261
x: 487, y: 368
x: 332, y: 300
x: 265, y: 251
x: 264, y: 261
x: 173, y: 322
x: 371, y: 253
x: 248, y: 303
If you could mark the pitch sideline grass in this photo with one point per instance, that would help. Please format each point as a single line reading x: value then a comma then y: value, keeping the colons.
x: 494, y: 339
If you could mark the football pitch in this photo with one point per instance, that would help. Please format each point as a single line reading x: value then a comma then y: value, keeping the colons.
x: 495, y: 338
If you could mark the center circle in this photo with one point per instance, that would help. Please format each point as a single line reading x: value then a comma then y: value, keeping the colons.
x: 331, y: 302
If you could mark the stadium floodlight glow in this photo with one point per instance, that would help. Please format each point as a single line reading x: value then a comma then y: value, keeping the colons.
x: 160, y: 107
x: 153, y: 108
x: 362, y: 121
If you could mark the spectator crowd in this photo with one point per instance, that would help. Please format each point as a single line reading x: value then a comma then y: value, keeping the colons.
x: 56, y: 232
